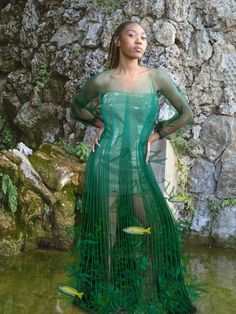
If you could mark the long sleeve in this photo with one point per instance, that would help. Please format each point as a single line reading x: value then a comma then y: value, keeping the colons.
x: 177, y: 98
x: 80, y: 108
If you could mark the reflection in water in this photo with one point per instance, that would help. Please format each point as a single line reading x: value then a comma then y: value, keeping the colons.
x: 217, y: 268
x: 28, y: 282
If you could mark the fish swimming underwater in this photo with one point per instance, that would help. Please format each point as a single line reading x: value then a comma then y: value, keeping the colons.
x: 136, y: 230
x: 72, y: 292
x: 179, y: 199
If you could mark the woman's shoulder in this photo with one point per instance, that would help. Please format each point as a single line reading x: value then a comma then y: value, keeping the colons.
x: 102, y: 77
x: 157, y: 71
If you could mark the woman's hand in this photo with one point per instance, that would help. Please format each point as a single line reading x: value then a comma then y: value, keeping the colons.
x: 97, y: 138
x: 152, y: 138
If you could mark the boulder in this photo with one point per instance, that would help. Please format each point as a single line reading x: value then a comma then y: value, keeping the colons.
x: 202, y: 177
x: 58, y: 169
x: 47, y: 190
x: 226, y: 187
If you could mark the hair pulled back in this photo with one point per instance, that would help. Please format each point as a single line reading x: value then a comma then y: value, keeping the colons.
x: 114, y: 53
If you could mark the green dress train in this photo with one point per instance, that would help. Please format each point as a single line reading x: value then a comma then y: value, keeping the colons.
x: 118, y: 271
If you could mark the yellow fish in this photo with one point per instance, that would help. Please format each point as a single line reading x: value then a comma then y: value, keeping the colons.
x: 136, y: 230
x: 179, y: 199
x: 71, y: 291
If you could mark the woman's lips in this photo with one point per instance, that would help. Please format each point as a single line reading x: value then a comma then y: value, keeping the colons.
x: 138, y: 49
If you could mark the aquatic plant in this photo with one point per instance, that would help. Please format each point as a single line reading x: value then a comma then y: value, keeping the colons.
x: 8, y: 192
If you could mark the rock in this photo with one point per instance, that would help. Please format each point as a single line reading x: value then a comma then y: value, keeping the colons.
x: 30, y: 177
x: 228, y: 107
x: 177, y: 10
x: 216, y: 135
x: 22, y: 148
x: 201, y: 177
x: 64, y: 218
x: 221, y: 13
x: 9, y: 58
x: 11, y: 245
x: 31, y: 205
x: 7, y: 222
x: 42, y: 216
x: 225, y: 224
x: 28, y: 34
x: 227, y: 182
x: 34, y: 219
x: 200, y: 50
x: 33, y: 119
x: 201, y: 216
x: 9, y: 165
x: 92, y: 36
x: 20, y: 80
x: 164, y: 32
x: 58, y: 169
x: 144, y: 8
x: 66, y: 35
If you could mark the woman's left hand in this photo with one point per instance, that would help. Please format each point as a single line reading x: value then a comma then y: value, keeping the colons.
x: 152, y: 138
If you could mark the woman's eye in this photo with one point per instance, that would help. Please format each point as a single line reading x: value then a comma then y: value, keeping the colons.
x: 144, y: 38
x: 131, y: 35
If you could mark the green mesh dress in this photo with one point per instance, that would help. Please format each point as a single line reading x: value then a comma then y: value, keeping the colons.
x: 122, y: 272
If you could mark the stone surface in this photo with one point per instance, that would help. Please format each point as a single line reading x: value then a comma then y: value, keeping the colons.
x: 46, y: 200
x: 201, y: 216
x: 216, y: 135
x: 10, y: 246
x: 202, y: 177
x: 226, y: 187
x: 164, y: 32
x: 58, y: 169
x: 225, y: 224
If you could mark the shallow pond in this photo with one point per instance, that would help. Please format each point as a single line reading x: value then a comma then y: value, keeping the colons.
x: 28, y: 282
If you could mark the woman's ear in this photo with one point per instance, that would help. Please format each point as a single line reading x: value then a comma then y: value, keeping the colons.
x: 117, y: 42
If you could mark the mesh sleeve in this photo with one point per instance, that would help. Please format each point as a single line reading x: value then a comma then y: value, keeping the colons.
x: 80, y: 103
x: 177, y: 98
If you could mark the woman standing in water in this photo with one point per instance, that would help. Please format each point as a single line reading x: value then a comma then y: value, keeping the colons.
x: 128, y: 248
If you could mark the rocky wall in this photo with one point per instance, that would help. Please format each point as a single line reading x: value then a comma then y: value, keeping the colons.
x: 48, y: 49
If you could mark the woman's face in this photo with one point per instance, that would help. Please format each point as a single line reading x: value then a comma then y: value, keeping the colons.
x: 132, y: 41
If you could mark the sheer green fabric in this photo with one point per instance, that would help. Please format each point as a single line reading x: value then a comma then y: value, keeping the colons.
x: 117, y: 271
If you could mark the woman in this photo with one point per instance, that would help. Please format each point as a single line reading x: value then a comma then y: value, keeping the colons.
x: 128, y: 252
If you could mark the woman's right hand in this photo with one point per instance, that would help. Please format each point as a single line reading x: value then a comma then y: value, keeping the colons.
x: 97, y: 138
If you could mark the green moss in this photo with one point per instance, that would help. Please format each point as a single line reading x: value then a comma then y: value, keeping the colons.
x: 182, y: 146
x: 42, y: 76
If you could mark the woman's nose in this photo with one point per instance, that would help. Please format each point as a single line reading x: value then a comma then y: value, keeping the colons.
x: 138, y: 40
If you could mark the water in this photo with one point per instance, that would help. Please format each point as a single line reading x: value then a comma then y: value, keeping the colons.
x: 28, y: 282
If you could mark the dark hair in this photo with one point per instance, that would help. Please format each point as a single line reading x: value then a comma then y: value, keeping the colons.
x: 114, y: 53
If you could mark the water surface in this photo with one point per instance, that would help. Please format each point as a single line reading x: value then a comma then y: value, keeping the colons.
x: 28, y: 282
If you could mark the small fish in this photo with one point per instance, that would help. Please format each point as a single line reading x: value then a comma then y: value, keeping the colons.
x: 136, y: 230
x: 71, y: 291
x: 179, y: 199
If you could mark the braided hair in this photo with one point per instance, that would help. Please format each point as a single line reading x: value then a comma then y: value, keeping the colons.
x: 114, y: 53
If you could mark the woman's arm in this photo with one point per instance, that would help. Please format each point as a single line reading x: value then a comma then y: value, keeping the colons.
x: 177, y: 98
x: 82, y: 99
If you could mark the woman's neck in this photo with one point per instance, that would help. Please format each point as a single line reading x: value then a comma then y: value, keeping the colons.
x: 128, y: 67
